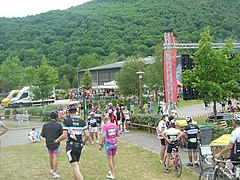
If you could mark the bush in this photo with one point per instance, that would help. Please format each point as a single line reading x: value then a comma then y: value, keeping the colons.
x: 151, y: 120
x: 218, y: 131
x: 7, y: 113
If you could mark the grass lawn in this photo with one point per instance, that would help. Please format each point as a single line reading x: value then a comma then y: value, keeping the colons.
x: 132, y: 163
x: 183, y: 103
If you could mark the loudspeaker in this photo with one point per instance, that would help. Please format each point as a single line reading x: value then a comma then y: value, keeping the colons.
x: 187, y: 62
x: 189, y: 93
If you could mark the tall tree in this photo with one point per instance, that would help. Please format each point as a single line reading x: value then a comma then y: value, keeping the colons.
x: 87, y: 80
x: 214, y: 74
x: 127, y: 79
x: 64, y: 83
x: 45, y: 80
x: 11, y: 73
x: 154, y: 73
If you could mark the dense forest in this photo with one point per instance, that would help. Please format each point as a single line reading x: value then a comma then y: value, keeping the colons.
x: 104, y: 31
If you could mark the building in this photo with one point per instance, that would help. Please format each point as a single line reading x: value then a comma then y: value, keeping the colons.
x: 106, y: 73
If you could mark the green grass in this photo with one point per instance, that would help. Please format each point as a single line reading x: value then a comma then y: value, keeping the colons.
x: 132, y: 163
x: 182, y: 103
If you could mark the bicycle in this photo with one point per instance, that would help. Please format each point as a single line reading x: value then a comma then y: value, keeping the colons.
x: 221, y: 172
x: 176, y: 161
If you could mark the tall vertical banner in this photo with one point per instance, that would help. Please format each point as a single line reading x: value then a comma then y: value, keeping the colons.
x: 169, y: 68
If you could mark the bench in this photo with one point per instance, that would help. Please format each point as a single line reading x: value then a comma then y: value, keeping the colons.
x: 22, y: 117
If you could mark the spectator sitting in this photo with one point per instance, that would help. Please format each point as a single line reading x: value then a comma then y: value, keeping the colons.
x: 33, y: 136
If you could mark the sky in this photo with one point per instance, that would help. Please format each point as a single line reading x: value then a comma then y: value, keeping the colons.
x: 22, y: 8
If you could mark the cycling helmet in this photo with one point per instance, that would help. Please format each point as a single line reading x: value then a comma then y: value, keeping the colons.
x: 189, y: 119
x: 236, y: 117
x: 53, y: 115
x: 72, y: 107
x: 172, y: 123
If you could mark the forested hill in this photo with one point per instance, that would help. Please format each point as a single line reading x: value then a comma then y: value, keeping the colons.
x: 103, y: 31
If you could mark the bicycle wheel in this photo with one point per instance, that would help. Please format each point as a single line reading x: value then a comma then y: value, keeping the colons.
x: 201, y: 161
x: 178, y: 165
x: 209, y: 174
x: 206, y: 174
x: 164, y: 162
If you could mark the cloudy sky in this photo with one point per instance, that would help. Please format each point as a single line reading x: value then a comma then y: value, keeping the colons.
x: 21, y: 8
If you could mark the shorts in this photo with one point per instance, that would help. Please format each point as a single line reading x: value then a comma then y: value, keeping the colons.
x: 73, y: 153
x: 110, y: 150
x: 192, y: 146
x: 163, y: 142
x: 171, y: 146
x: 118, y: 122
x: 94, y: 129
x: 55, y: 151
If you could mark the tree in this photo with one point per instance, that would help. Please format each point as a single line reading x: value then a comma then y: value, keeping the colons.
x: 127, y: 79
x: 154, y: 74
x: 69, y: 71
x: 214, y: 74
x: 45, y: 80
x: 87, y: 80
x: 11, y: 73
x: 64, y: 83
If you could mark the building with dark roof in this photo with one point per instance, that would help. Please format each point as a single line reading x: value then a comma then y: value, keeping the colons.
x: 106, y: 73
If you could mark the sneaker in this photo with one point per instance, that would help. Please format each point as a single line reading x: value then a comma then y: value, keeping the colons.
x: 51, y: 172
x: 110, y: 176
x: 166, y: 170
x: 189, y: 164
x: 97, y: 141
x: 55, y: 175
x: 92, y: 142
x: 161, y: 161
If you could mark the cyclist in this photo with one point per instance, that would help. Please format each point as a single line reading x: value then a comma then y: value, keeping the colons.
x: 172, y: 136
x: 234, y: 143
x: 162, y: 126
x: 192, y: 132
x: 73, y: 128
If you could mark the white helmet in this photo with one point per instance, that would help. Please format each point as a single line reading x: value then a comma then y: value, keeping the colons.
x: 236, y: 117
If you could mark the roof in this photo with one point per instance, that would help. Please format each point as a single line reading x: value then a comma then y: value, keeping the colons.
x: 147, y: 60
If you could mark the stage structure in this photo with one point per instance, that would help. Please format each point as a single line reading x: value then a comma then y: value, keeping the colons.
x: 170, y: 47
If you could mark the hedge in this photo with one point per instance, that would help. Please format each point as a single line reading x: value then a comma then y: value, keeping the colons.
x: 152, y: 120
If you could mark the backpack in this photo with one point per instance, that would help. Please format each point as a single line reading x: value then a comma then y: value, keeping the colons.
x: 235, y: 152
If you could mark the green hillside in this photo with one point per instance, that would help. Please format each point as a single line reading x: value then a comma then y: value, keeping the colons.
x: 104, y: 31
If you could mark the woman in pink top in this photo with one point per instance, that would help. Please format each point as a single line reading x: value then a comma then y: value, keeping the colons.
x: 110, y: 134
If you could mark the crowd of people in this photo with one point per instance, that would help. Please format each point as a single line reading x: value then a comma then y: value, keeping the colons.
x: 110, y: 124
x: 170, y: 137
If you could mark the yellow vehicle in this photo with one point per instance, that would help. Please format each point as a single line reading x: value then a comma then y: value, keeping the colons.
x: 5, y: 102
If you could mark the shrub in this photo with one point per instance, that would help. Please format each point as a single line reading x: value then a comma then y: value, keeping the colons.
x: 151, y: 120
x: 7, y: 113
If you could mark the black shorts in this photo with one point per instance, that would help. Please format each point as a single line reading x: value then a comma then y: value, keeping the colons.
x: 163, y: 142
x: 171, y: 146
x: 192, y: 146
x: 73, y: 153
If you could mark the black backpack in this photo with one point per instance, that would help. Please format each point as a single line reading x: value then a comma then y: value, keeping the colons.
x: 235, y: 152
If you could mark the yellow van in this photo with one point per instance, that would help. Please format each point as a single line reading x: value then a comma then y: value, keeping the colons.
x: 5, y: 102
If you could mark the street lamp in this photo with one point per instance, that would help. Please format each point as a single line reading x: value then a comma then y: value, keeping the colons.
x: 140, y: 73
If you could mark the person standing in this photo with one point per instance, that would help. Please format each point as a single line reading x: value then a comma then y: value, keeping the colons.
x: 162, y: 126
x: 73, y: 129
x: 192, y: 132
x: 51, y: 131
x: 5, y: 129
x: 172, y: 137
x: 110, y: 134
